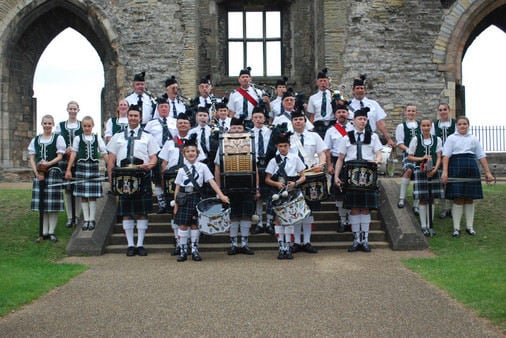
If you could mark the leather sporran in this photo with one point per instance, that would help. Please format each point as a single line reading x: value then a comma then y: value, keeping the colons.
x: 181, y: 198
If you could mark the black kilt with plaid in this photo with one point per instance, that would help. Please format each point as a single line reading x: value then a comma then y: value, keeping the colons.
x: 90, y: 189
x: 156, y: 173
x: 354, y: 198
x: 334, y: 189
x: 421, y: 186
x: 187, y: 213
x: 406, y: 164
x: 53, y: 196
x: 140, y: 204
x: 241, y: 205
x: 464, y: 166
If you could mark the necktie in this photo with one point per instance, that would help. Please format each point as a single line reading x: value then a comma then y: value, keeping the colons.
x: 195, y: 175
x: 324, y: 104
x: 203, y: 140
x: 281, y: 108
x: 130, y: 147
x: 174, y: 110
x: 302, y: 142
x: 244, y: 113
x: 260, y: 144
x: 302, y: 139
x: 361, y: 104
x: 165, y: 133
x: 139, y: 103
x: 359, y: 146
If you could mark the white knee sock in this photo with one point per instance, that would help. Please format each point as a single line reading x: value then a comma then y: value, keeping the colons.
x: 86, y: 211
x: 457, y: 210
x: 234, y: 231
x: 288, y: 233
x: 183, y: 238
x: 297, y: 227
x: 259, y: 211
x: 279, y: 232
x: 128, y: 227
x: 404, y: 187
x: 469, y: 211
x: 355, y: 226
x: 194, y: 235
x: 423, y: 215
x: 53, y: 220
x: 365, y: 221
x: 306, y: 227
x: 142, y: 226
x: 93, y: 210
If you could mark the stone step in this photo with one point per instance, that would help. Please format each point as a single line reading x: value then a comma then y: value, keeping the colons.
x: 208, y: 247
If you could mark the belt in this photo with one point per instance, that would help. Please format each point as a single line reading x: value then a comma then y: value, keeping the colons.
x: 188, y: 189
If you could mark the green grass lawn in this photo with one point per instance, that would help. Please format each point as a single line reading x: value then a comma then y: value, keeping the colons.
x: 28, y: 270
x: 472, y: 269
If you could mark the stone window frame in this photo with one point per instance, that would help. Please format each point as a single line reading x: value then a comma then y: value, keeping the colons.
x: 264, y: 39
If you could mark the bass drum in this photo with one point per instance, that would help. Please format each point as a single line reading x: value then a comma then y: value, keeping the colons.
x: 238, y: 169
x: 213, y: 216
x: 315, y: 187
x: 127, y: 181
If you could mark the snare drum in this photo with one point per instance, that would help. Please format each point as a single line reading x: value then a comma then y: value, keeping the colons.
x: 314, y: 187
x: 361, y: 175
x: 293, y: 210
x: 214, y: 218
x: 127, y: 181
x: 238, y: 167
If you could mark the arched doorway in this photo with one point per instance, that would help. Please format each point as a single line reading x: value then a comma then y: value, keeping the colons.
x: 463, y: 22
x: 26, y: 37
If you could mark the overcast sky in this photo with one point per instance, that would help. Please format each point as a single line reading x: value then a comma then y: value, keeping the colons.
x: 70, y: 69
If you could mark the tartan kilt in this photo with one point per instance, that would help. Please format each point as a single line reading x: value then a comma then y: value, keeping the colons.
x: 91, y: 189
x: 407, y: 164
x: 187, y: 214
x: 53, y: 196
x: 367, y: 199
x: 141, y: 204
x: 464, y: 166
x: 63, y: 167
x: 241, y: 205
x: 156, y: 173
x: 334, y: 189
x: 421, y: 186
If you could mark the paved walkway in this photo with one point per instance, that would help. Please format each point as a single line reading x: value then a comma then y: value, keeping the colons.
x: 333, y: 293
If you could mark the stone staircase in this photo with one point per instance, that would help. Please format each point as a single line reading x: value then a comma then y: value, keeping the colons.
x: 159, y: 237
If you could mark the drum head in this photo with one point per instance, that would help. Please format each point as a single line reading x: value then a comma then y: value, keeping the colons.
x: 211, y: 206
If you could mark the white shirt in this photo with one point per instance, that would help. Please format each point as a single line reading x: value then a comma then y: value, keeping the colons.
x: 332, y: 137
x: 368, y: 150
x: 313, y: 145
x: 144, y: 147
x: 426, y: 142
x: 314, y: 106
x: 235, y: 102
x: 147, y: 105
x: 375, y: 114
x: 285, y: 119
x: 293, y: 165
x: 109, y: 127
x: 155, y: 128
x: 89, y: 138
x: 60, y: 144
x: 399, y: 132
x: 171, y: 153
x: 266, y: 136
x: 276, y: 107
x: 225, y: 124
x: 198, y: 130
x: 204, y: 174
x: 457, y: 144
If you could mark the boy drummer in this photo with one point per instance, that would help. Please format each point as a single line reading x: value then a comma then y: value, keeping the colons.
x: 359, y: 145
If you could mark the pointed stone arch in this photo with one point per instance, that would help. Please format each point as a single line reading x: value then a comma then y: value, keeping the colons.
x: 462, y: 23
x: 27, y: 31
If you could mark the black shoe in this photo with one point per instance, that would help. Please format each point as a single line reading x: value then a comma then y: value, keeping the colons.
x: 53, y: 238
x: 401, y: 203
x: 232, y: 251
x: 426, y: 232
x: 176, y: 251
x: 366, y: 247
x: 340, y: 227
x: 269, y: 229
x: 288, y: 254
x: 258, y: 230
x: 131, y: 251
x: 91, y: 225
x: 471, y: 232
x: 281, y: 254
x: 247, y: 251
x: 309, y: 248
x: 141, y: 251
x: 416, y: 211
x: 456, y: 233
x: 196, y: 256
x: 69, y: 224
x: 162, y: 210
x: 181, y: 257
x: 355, y: 247
x: 85, y: 226
x: 296, y: 248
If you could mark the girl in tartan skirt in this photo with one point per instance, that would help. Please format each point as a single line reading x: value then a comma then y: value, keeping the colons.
x: 186, y: 214
x: 85, y: 148
x: 460, y: 153
x: 425, y: 150
x: 45, y: 151
x: 362, y: 145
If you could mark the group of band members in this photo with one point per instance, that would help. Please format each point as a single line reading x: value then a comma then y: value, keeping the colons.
x: 155, y: 136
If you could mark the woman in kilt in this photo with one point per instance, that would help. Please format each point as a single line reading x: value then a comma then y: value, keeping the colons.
x: 359, y: 144
x: 136, y: 150
x: 69, y: 129
x: 425, y: 151
x: 45, y: 151
x: 460, y: 153
x: 187, y: 196
x: 85, y: 148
